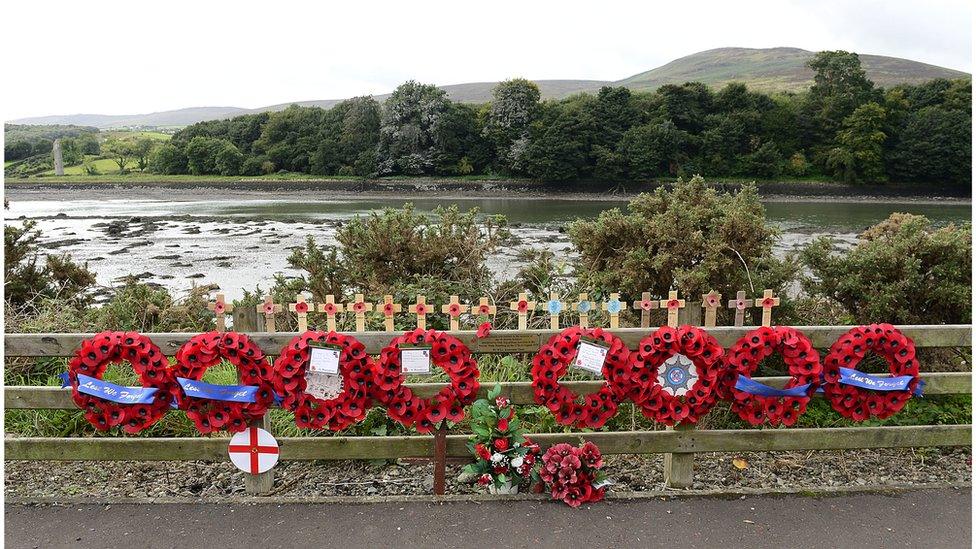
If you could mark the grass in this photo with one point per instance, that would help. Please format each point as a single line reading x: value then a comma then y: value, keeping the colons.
x: 128, y: 134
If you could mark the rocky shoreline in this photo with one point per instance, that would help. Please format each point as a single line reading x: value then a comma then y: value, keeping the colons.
x: 875, y: 468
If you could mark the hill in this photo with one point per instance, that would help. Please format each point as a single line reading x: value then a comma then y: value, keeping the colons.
x: 777, y: 69
x: 772, y: 69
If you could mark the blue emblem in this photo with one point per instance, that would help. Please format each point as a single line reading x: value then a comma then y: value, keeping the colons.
x: 583, y: 306
x: 678, y: 375
x: 613, y: 306
x: 554, y: 306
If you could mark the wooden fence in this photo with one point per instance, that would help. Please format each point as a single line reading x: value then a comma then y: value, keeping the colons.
x: 679, y: 445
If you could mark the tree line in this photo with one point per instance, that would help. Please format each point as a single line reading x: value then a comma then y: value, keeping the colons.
x: 843, y: 127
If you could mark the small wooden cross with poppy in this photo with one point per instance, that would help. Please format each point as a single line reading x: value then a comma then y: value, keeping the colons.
x: 673, y: 304
x: 484, y: 309
x: 454, y: 309
x: 740, y: 304
x: 269, y: 308
x: 711, y: 302
x: 330, y: 308
x: 360, y: 306
x: 420, y: 309
x: 301, y: 308
x: 522, y: 307
x: 767, y: 302
x: 389, y: 309
x: 220, y: 309
x: 645, y: 306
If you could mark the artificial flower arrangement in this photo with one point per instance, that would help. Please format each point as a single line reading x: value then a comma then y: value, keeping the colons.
x: 504, y: 457
x: 573, y: 474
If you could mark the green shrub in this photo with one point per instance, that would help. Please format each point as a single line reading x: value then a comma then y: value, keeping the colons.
x: 902, y: 271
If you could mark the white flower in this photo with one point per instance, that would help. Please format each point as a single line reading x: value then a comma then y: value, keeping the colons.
x: 497, y: 458
x: 517, y: 462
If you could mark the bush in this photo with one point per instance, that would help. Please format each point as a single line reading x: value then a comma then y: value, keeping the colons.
x: 901, y: 271
x: 692, y: 238
x: 25, y: 280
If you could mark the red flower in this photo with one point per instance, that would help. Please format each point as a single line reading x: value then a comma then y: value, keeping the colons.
x: 502, y: 401
x: 646, y: 304
x: 523, y: 306
x: 500, y: 444
x: 329, y: 308
x: 359, y: 307
x: 482, y: 452
x: 301, y: 307
x: 388, y: 309
x: 454, y: 310
x: 484, y: 330
x: 484, y: 309
x: 503, y: 425
x: 484, y: 480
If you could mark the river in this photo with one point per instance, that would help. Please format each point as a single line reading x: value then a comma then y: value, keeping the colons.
x: 179, y: 237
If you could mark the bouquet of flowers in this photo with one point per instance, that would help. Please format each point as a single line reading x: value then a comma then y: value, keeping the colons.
x: 573, y: 474
x: 504, y: 457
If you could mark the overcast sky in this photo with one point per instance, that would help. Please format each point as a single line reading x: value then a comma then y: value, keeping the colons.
x: 125, y: 57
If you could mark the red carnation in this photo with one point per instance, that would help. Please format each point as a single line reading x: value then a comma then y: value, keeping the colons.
x: 503, y: 425
x: 500, y: 444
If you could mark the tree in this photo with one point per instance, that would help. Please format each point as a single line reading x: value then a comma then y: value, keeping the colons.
x: 935, y: 144
x: 16, y: 150
x: 858, y: 156
x: 228, y: 160
x: 513, y: 108
x: 407, y: 133
x: 167, y: 159
x: 840, y: 86
x: 141, y: 149
x: 653, y: 150
x: 120, y: 152
x: 201, y: 154
x: 560, y: 148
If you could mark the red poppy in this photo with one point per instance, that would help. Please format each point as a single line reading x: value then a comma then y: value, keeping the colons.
x: 421, y: 309
x: 484, y: 330
x: 523, y: 306
x: 454, y: 310
x: 359, y: 307
x: 484, y: 309
x: 388, y: 309
x: 330, y: 308
x: 673, y: 303
x: 301, y: 307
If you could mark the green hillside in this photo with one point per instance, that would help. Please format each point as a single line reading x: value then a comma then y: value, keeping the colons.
x: 776, y: 69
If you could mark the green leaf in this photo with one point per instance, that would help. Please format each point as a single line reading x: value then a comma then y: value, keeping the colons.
x: 495, y: 391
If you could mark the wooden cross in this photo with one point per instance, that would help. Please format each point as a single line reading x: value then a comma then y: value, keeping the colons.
x: 360, y: 306
x: 484, y: 309
x: 301, y: 308
x: 389, y: 309
x: 330, y: 308
x: 583, y: 307
x: 454, y: 310
x: 554, y: 307
x: 268, y: 308
x: 673, y: 304
x: 740, y: 304
x: 645, y: 305
x: 420, y: 309
x: 767, y: 302
x: 522, y: 307
x: 220, y: 309
x: 613, y: 307
x: 711, y: 302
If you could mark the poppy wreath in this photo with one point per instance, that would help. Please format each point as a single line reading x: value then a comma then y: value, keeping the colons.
x: 402, y: 405
x: 802, y: 362
x: 646, y: 388
x: 148, y: 362
x: 857, y: 403
x: 203, y: 351
x: 355, y: 367
x: 552, y: 362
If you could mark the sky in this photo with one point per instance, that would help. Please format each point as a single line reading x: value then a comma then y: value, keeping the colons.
x: 124, y: 57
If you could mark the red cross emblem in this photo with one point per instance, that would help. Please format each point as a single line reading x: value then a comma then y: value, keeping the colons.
x: 253, y: 451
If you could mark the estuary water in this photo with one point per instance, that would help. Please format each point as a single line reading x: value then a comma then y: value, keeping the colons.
x: 180, y: 237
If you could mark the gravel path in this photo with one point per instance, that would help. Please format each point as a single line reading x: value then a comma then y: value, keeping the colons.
x: 770, y: 470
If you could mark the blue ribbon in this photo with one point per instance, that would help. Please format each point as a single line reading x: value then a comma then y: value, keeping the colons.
x: 230, y: 393
x: 115, y: 393
x: 753, y: 387
x: 65, y: 379
x: 850, y: 376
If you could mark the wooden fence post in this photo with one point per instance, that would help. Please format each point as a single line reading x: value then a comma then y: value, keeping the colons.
x: 679, y: 468
x: 262, y: 483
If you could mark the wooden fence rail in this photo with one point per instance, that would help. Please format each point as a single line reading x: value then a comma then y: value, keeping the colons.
x: 680, y: 445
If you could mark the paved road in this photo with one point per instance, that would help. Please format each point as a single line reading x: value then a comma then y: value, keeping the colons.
x: 930, y: 518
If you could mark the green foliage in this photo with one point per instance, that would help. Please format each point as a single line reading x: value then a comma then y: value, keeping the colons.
x: 408, y: 133
x: 514, y: 107
x: 858, y: 155
x: 901, y: 271
x: 692, y: 238
x: 26, y: 281
x: 168, y: 159
x: 120, y: 151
